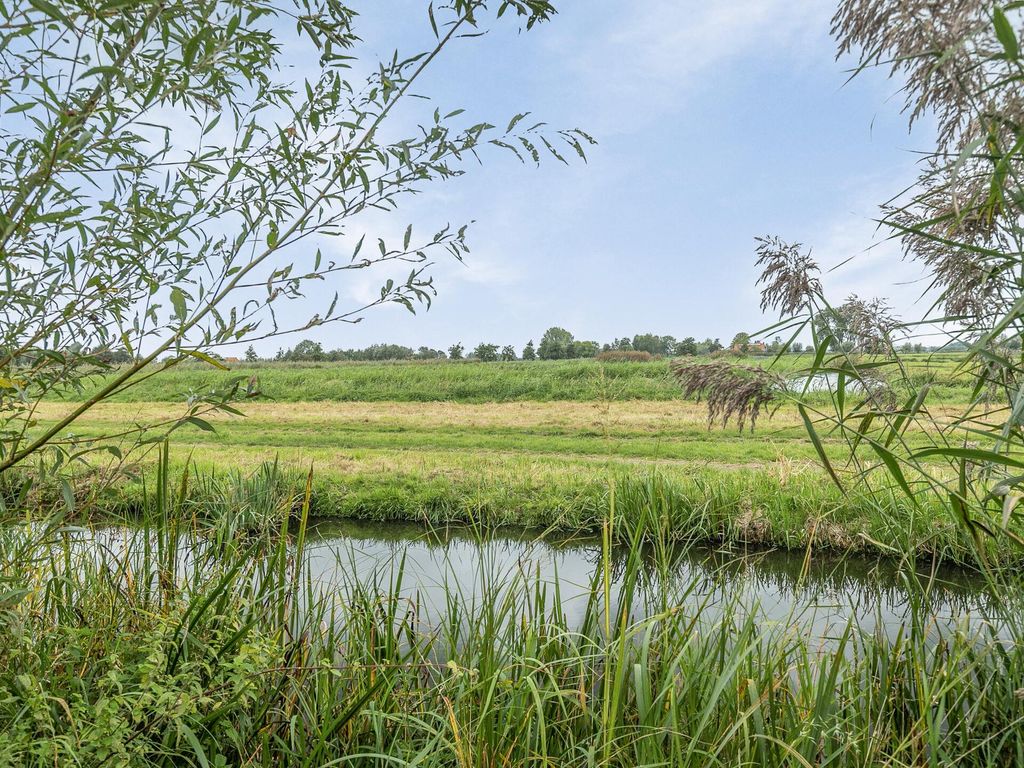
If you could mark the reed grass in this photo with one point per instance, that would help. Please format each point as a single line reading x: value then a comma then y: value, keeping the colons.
x: 182, y: 642
x: 475, y: 382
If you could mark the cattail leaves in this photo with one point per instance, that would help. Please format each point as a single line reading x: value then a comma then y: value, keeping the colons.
x: 1005, y: 33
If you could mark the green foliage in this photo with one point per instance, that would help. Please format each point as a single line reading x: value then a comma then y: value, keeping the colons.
x: 426, y: 353
x: 581, y: 349
x: 486, y: 353
x: 167, y: 186
x: 440, y: 380
x: 654, y: 344
x: 687, y: 346
x: 962, y: 223
x: 170, y: 648
x: 455, y: 351
x: 624, y: 355
x: 508, y: 353
x: 529, y: 353
x: 555, y: 344
x: 305, y: 351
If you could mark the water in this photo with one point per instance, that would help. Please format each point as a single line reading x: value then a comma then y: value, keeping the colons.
x: 823, y: 382
x: 817, y: 599
x: 434, y: 569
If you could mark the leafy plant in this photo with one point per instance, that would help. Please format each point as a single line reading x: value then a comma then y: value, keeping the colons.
x: 164, y: 193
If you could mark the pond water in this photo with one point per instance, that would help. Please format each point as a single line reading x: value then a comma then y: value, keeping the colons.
x: 441, y: 570
x: 818, y: 597
x: 822, y: 382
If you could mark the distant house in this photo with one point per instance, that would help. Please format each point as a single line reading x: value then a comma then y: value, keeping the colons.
x: 230, y: 360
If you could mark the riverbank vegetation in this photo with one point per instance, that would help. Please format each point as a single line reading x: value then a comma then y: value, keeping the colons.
x: 553, y: 465
x: 158, y: 600
x: 476, y: 382
x: 148, y: 646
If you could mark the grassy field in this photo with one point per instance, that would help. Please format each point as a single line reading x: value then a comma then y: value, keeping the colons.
x: 538, y: 462
x: 474, y: 382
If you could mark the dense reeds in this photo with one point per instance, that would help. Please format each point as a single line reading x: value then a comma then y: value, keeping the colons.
x: 475, y: 382
x: 190, y: 641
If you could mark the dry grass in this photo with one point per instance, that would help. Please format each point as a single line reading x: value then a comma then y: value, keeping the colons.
x: 636, y: 415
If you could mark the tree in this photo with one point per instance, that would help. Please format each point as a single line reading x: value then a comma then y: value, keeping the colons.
x: 306, y: 350
x: 687, y: 346
x: 455, y: 351
x: 740, y: 343
x: 250, y: 355
x: 648, y: 342
x: 426, y: 353
x: 508, y: 353
x: 554, y: 344
x: 164, y: 190
x: 529, y: 353
x: 486, y: 353
x: 580, y: 349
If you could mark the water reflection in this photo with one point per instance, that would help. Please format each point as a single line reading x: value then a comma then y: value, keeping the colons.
x: 818, y: 597
x: 439, y: 573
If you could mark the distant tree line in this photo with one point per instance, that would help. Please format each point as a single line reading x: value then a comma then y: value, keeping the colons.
x: 313, y: 351
x: 556, y: 344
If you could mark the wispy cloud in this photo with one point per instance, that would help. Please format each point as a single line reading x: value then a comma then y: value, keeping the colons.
x: 646, y: 56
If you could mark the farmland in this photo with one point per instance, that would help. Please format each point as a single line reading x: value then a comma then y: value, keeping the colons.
x: 778, y: 523
x: 520, y: 444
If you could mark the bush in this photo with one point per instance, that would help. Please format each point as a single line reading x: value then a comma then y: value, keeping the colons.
x: 624, y: 356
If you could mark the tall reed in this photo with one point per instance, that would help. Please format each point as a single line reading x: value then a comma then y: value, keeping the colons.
x: 173, y: 643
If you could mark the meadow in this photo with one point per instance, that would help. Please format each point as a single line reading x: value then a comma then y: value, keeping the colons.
x: 546, y: 445
x: 187, y: 612
x: 469, y: 381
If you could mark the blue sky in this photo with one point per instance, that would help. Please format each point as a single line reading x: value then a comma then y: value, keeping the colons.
x: 716, y: 123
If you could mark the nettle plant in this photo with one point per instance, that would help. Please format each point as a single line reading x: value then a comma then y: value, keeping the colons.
x: 165, y: 189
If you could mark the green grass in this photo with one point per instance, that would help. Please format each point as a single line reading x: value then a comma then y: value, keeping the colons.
x: 553, y: 465
x: 133, y: 655
x: 472, y: 382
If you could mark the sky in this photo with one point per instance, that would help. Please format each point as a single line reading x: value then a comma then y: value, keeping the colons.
x: 716, y: 123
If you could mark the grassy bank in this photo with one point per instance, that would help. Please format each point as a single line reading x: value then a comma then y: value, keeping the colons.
x: 132, y: 654
x: 555, y: 465
x: 473, y: 382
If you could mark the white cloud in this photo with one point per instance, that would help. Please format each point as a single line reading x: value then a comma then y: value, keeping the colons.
x: 645, y: 62
x: 487, y: 269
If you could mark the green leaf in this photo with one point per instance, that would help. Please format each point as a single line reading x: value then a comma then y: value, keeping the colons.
x: 203, y: 424
x: 974, y: 454
x: 178, y: 302
x: 1005, y: 33
x: 816, y: 442
x: 206, y: 358
x: 49, y: 9
x: 894, y: 469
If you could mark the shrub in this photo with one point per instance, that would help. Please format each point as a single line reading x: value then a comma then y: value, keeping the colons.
x: 624, y: 356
